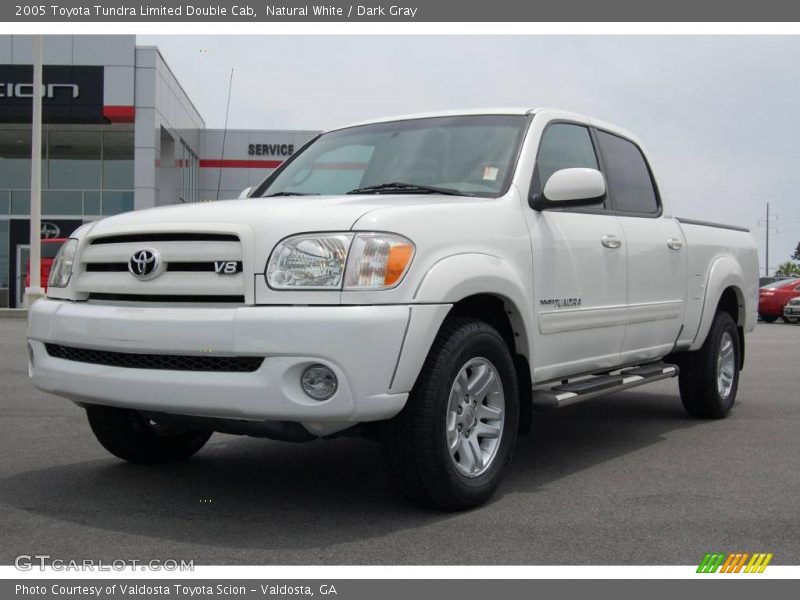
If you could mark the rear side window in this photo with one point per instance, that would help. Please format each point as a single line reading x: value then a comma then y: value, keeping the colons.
x: 629, y: 181
x: 564, y: 146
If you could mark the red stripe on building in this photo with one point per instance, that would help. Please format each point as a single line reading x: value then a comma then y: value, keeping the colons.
x: 119, y: 114
x: 232, y: 163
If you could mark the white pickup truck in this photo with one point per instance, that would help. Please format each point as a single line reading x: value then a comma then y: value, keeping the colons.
x: 429, y: 280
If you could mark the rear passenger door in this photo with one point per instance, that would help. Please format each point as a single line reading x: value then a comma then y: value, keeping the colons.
x: 579, y: 266
x: 657, y: 256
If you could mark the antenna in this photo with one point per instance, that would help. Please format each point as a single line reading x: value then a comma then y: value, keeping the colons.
x: 224, y: 133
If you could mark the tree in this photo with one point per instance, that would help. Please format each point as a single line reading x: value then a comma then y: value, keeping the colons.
x: 796, y: 254
x: 788, y: 269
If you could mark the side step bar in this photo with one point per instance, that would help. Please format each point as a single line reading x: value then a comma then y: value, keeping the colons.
x: 601, y: 385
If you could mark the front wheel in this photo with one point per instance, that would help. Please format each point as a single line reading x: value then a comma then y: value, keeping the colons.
x: 768, y: 318
x: 709, y: 377
x: 450, y: 446
x: 128, y: 435
x: 791, y: 320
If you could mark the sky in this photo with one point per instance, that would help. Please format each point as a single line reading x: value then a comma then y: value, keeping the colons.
x: 718, y: 115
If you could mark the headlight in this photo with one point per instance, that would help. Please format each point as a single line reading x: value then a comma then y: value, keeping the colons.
x: 62, y: 264
x: 311, y: 262
x: 335, y: 261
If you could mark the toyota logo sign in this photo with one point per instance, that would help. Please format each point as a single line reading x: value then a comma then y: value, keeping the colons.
x: 145, y: 264
x: 49, y: 230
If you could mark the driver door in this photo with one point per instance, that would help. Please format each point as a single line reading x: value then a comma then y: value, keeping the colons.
x: 580, y: 267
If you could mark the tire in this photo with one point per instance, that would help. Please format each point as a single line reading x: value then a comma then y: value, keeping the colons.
x: 702, y: 394
x: 128, y: 435
x: 440, y: 415
x: 791, y: 320
x: 768, y: 318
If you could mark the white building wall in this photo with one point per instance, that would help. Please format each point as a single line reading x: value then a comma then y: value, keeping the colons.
x: 165, y: 117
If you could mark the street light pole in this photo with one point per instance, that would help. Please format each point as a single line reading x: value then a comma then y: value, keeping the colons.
x: 34, y: 289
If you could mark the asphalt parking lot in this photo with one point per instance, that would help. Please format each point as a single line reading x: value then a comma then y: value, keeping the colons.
x: 627, y: 479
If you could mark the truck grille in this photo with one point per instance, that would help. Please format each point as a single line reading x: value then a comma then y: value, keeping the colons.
x: 193, y: 270
x: 165, y: 362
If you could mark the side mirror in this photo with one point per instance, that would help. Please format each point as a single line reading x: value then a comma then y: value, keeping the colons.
x: 245, y: 192
x: 573, y: 187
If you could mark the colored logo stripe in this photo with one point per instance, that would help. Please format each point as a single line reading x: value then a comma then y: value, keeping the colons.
x: 734, y: 562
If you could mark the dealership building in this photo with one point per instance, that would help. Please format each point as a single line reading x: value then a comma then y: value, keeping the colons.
x: 119, y: 134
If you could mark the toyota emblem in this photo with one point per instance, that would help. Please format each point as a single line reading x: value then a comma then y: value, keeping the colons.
x: 49, y: 230
x: 145, y: 264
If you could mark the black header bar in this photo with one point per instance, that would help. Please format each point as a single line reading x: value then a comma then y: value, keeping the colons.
x: 400, y: 11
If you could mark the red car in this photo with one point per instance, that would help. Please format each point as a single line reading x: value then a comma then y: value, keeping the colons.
x: 774, y: 296
x: 49, y: 250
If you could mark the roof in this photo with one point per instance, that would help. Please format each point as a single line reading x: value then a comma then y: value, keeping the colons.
x: 550, y: 112
x: 443, y: 113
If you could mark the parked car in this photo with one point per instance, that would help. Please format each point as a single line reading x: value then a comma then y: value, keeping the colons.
x: 428, y: 281
x: 766, y: 281
x: 773, y: 297
x: 791, y: 312
x: 50, y: 248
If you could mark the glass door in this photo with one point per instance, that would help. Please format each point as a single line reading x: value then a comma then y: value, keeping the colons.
x: 23, y: 254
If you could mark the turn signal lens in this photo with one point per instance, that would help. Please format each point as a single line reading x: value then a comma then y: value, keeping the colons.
x: 377, y: 261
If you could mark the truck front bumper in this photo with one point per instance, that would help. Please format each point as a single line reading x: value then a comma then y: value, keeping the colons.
x: 365, y: 346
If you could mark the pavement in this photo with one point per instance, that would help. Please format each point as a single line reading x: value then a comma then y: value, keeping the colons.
x: 626, y: 479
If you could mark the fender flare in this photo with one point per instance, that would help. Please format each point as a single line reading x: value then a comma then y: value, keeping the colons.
x: 459, y: 276
x: 443, y: 285
x: 725, y: 272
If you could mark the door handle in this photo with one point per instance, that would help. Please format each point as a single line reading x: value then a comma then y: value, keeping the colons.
x: 611, y: 241
x: 674, y: 244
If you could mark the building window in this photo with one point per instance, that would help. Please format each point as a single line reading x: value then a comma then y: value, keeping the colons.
x: 118, y: 160
x: 73, y: 159
x: 3, y: 263
x: 86, y: 170
x: 117, y: 202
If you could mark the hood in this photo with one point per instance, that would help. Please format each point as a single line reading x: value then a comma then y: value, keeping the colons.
x: 264, y: 221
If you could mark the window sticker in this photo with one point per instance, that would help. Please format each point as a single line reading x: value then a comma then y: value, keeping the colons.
x: 490, y: 173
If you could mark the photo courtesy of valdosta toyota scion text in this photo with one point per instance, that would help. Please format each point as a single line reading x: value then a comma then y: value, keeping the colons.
x: 385, y: 300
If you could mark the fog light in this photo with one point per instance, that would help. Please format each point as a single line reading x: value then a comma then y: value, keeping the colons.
x: 319, y: 382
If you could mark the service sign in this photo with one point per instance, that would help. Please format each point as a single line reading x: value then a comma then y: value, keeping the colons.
x: 69, y: 94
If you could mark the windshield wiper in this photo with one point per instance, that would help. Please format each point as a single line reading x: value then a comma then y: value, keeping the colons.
x: 276, y: 194
x: 410, y: 188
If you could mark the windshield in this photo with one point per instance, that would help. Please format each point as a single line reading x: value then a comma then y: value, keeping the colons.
x: 468, y: 155
x: 780, y: 283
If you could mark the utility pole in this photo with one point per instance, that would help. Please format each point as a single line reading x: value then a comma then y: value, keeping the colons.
x: 766, y: 261
x: 34, y: 290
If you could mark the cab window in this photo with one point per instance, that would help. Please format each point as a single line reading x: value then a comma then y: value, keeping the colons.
x: 629, y: 182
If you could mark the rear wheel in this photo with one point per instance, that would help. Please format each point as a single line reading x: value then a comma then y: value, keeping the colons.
x: 768, y: 318
x: 452, y: 443
x: 132, y: 437
x: 709, y: 377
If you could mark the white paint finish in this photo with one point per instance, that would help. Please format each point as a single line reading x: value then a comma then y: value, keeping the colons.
x: 633, y: 298
x: 361, y: 344
x: 169, y: 251
x: 576, y: 265
x: 658, y: 286
x: 575, y: 184
x: 170, y: 283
